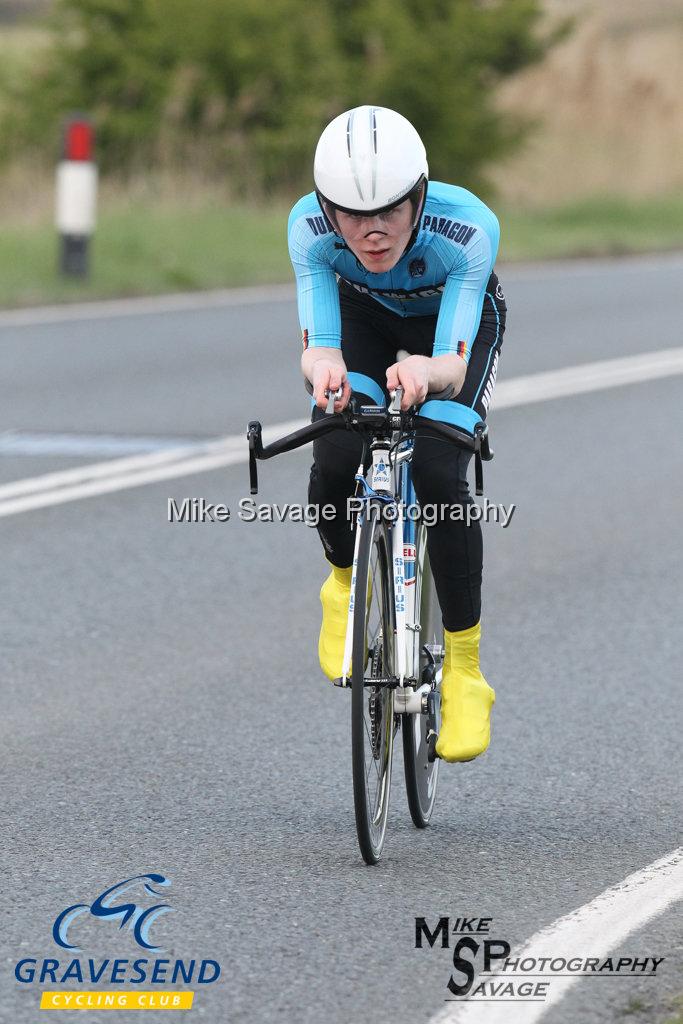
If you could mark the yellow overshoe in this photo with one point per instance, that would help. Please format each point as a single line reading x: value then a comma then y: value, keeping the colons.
x: 334, y: 597
x: 466, y: 699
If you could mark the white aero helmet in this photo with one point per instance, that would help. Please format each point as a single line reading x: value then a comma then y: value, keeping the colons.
x: 367, y: 160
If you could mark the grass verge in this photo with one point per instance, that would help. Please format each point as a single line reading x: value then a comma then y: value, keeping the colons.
x: 147, y: 249
x: 593, y: 227
x: 147, y: 246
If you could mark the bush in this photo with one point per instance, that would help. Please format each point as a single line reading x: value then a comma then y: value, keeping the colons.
x: 242, y: 88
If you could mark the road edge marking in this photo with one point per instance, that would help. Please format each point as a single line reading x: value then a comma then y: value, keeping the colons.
x: 593, y: 929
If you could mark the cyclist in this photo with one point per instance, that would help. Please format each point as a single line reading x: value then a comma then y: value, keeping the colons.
x: 386, y: 260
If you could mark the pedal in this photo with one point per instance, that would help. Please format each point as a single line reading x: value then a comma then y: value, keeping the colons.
x: 432, y: 735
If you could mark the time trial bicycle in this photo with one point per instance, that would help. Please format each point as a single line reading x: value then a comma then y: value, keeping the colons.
x: 394, y: 646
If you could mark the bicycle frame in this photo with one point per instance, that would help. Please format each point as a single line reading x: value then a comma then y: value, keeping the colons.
x: 392, y: 484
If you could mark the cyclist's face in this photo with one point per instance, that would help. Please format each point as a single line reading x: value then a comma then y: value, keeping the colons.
x: 379, y: 241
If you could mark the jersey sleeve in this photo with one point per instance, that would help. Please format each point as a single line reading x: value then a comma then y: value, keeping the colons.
x: 465, y: 288
x: 316, y: 282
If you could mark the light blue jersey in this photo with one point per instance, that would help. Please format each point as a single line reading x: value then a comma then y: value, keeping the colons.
x: 444, y: 272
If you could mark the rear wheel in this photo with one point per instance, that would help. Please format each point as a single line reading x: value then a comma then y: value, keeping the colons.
x: 419, y: 730
x: 372, y: 717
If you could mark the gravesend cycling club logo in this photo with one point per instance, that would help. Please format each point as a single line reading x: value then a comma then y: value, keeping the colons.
x: 132, y: 907
x: 484, y: 968
x: 138, y: 919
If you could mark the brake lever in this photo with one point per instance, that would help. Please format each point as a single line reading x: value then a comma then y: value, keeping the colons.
x: 255, y: 447
x: 332, y: 397
x: 482, y: 453
x: 395, y: 404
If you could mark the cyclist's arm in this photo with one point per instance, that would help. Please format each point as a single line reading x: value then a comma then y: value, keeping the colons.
x: 419, y: 375
x: 326, y: 370
x: 319, y: 314
x: 316, y: 283
x: 463, y: 295
x: 446, y: 369
x: 458, y: 320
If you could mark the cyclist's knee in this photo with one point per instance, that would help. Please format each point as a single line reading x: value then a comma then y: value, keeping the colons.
x: 335, y: 463
x: 440, y: 471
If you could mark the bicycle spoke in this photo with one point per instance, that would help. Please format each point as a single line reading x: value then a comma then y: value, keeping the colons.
x: 367, y: 777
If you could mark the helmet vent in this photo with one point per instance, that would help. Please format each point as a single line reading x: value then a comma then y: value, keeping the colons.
x: 352, y: 155
x: 373, y: 130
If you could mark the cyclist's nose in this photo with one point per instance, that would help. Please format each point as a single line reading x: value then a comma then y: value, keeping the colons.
x: 375, y: 228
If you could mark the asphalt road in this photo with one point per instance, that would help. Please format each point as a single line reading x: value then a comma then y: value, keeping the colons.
x: 162, y: 708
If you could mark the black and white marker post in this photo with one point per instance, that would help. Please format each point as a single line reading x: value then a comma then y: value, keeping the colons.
x: 76, y: 197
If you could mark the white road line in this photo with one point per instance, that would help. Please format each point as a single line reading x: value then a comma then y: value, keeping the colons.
x: 99, y: 470
x: 185, y: 467
x: 593, y: 930
x: 25, y: 442
x: 119, y: 474
x: 147, y: 305
x: 576, y: 380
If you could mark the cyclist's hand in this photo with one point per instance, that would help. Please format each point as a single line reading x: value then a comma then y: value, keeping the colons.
x: 412, y: 374
x: 330, y: 377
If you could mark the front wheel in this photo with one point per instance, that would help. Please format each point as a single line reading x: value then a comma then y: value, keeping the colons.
x: 372, y: 715
x: 420, y: 730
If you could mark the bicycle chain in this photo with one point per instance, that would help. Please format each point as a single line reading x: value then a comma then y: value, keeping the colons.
x: 375, y: 706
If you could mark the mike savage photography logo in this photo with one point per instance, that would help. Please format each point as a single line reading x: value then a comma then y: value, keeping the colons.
x: 483, y: 967
x: 199, y: 510
x: 131, y: 907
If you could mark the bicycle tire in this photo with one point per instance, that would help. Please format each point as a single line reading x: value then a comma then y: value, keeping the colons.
x: 421, y: 774
x: 372, y: 708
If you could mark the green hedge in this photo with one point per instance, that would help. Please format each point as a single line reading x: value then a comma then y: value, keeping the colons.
x: 242, y: 88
